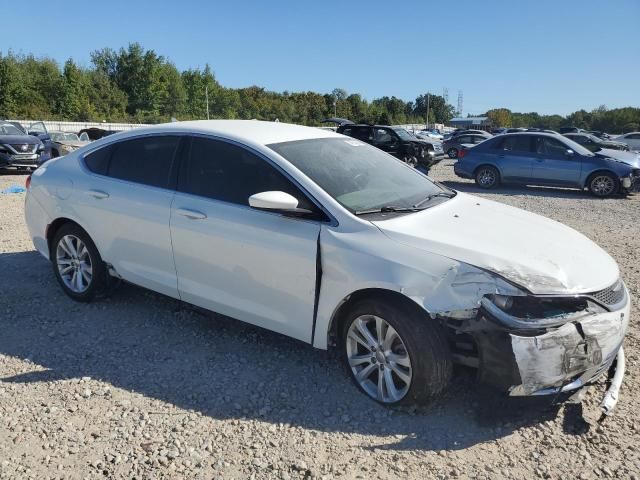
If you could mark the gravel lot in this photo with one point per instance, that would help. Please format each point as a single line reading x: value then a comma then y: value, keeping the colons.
x: 139, y: 385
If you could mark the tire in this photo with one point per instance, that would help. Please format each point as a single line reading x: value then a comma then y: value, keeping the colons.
x: 77, y: 264
x: 416, y: 364
x: 603, y: 185
x: 487, y: 177
x: 452, y: 152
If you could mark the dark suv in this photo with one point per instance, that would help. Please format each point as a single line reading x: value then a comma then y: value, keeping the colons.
x: 398, y: 142
x: 17, y: 149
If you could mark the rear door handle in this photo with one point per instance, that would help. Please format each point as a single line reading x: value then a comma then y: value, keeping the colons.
x: 192, y: 214
x: 99, y: 194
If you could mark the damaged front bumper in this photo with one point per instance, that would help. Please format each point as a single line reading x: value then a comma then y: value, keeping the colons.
x: 551, y: 355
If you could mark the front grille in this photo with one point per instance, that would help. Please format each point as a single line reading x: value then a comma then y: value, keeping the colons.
x: 24, y: 148
x: 610, y: 296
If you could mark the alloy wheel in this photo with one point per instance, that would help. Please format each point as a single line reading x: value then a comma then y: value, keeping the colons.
x: 603, y: 185
x: 453, y: 153
x: 486, y: 177
x: 74, y: 263
x: 378, y: 359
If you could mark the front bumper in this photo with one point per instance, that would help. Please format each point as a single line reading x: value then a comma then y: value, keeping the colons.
x: 631, y: 183
x: 528, y: 357
x: 31, y: 160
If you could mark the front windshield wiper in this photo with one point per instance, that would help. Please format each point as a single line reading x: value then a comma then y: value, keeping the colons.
x: 388, y: 208
x: 434, y: 195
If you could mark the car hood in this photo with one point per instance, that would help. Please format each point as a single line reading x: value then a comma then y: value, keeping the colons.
x: 630, y: 158
x: 19, y: 139
x: 534, y: 252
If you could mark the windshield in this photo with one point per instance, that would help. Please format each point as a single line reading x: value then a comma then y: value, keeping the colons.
x: 10, y: 129
x: 360, y: 177
x: 61, y: 136
x: 403, y: 134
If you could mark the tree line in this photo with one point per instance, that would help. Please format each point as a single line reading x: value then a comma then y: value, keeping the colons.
x: 138, y: 85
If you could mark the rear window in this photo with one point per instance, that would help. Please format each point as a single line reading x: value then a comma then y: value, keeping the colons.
x: 98, y: 161
x: 515, y: 143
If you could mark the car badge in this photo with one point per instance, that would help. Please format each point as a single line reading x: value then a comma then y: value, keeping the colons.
x: 23, y: 148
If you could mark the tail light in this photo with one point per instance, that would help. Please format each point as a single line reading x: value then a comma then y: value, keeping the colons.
x: 27, y: 182
x: 462, y: 153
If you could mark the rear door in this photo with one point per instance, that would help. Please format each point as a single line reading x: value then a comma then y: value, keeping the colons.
x: 553, y: 164
x: 125, y: 204
x: 253, y: 265
x: 513, y: 155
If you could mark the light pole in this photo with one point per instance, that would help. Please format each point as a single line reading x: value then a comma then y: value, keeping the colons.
x: 206, y: 93
x: 335, y: 102
x: 428, y: 98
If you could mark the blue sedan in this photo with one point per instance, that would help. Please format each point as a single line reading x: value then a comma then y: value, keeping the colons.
x: 535, y: 158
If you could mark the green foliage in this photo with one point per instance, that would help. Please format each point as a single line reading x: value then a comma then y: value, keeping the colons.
x: 138, y: 85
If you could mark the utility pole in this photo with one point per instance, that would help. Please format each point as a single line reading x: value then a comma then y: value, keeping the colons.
x: 335, y: 102
x: 428, y: 98
x: 206, y: 92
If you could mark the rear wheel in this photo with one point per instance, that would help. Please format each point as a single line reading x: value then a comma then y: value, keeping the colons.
x: 77, y: 264
x: 394, y: 354
x: 603, y: 185
x: 487, y: 177
x: 452, y: 152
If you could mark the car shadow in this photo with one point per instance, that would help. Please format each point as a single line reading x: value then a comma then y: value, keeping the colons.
x: 166, y: 350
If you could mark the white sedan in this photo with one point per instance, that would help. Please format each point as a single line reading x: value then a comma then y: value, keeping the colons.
x: 334, y: 242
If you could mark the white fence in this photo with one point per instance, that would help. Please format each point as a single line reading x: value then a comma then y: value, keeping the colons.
x: 75, y: 127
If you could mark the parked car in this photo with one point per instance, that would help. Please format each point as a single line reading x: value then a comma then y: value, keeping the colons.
x: 95, y: 133
x: 593, y: 143
x: 498, y: 131
x: 631, y: 139
x: 601, y: 135
x: 18, y: 150
x: 453, y: 146
x: 39, y: 129
x: 564, y: 130
x: 334, y: 242
x: 515, y: 130
x: 545, y: 130
x: 398, y: 142
x: 65, y: 142
x: 545, y: 159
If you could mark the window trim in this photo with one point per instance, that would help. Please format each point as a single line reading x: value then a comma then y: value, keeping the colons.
x: 330, y: 218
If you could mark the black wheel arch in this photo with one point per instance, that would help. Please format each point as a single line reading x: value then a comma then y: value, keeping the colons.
x: 393, y: 297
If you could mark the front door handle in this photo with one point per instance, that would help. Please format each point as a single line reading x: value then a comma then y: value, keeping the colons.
x: 192, y: 214
x: 99, y: 194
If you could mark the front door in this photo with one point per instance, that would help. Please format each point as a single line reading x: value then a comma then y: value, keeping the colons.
x: 253, y: 265
x: 554, y: 164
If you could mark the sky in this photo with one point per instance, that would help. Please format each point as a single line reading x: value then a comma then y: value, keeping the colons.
x: 538, y: 55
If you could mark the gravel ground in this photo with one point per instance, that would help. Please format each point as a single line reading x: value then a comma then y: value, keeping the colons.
x: 139, y: 385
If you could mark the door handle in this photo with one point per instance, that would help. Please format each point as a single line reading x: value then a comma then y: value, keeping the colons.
x: 99, y: 194
x: 192, y: 214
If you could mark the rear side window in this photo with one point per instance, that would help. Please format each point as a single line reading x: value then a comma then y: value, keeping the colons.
x: 98, y: 161
x: 227, y: 172
x: 362, y: 133
x: 144, y: 160
x: 515, y: 143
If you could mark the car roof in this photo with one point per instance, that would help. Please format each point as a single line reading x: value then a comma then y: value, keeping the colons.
x: 247, y: 131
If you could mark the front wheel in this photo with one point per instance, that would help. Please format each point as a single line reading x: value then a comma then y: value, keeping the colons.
x: 394, y: 354
x: 77, y: 264
x: 603, y: 185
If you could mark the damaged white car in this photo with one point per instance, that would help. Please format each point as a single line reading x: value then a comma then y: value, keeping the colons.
x: 331, y: 241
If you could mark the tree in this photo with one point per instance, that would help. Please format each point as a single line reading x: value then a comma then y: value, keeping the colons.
x: 439, y: 110
x: 500, y: 117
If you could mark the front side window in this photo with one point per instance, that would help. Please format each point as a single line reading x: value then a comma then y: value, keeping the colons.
x: 360, y: 177
x: 145, y: 160
x: 554, y: 148
x: 227, y: 172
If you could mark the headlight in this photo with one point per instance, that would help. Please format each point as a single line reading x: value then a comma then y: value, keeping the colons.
x: 531, y: 307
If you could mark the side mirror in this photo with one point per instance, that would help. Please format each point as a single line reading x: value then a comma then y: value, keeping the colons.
x: 276, y: 201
